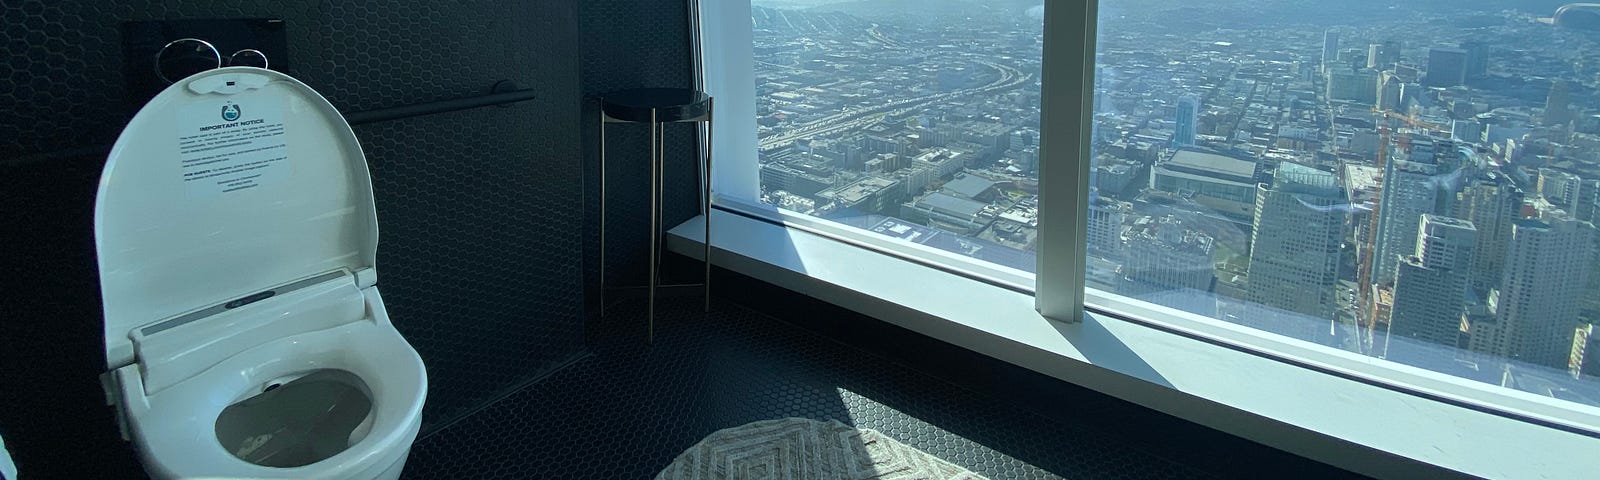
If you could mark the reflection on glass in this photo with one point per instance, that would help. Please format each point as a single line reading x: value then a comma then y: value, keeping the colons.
x: 918, y: 124
x: 1414, y: 181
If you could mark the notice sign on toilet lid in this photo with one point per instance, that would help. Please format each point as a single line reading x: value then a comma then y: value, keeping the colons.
x: 232, y: 145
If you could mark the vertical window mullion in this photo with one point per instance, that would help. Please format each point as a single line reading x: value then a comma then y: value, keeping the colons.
x: 727, y: 73
x: 1067, y: 110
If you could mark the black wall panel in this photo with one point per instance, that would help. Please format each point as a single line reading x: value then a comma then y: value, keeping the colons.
x: 481, y: 212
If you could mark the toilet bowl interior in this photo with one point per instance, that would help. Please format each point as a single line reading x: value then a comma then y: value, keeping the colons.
x: 298, y: 419
x: 177, y: 431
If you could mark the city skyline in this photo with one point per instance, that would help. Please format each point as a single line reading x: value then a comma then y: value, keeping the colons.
x: 1270, y: 173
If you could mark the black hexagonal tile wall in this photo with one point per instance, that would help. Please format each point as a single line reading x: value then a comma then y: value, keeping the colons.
x: 481, y: 212
x: 634, y: 44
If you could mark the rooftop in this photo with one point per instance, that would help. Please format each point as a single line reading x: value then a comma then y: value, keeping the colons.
x: 968, y: 186
x: 1208, y: 163
x: 1301, y: 175
x: 861, y: 189
x: 953, y: 205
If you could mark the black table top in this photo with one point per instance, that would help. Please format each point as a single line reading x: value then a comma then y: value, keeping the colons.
x: 669, y: 104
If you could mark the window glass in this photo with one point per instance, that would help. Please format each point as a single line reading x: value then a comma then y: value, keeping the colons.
x: 1414, y: 181
x: 906, y: 120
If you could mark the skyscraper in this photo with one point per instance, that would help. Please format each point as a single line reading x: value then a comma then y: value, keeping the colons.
x: 1382, y: 56
x: 1468, y: 131
x: 1488, y: 341
x: 1188, y: 121
x: 1409, y: 93
x: 1477, y: 65
x: 1412, y: 183
x: 1330, y: 48
x: 1562, y: 189
x: 1294, y: 246
x: 1547, y: 270
x: 1491, y: 202
x: 1589, y: 201
x: 1105, y: 226
x: 1352, y: 85
x: 1556, y: 105
x: 1447, y: 67
x: 1430, y: 292
x: 1389, y: 92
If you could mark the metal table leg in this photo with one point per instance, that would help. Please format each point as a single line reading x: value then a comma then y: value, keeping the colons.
x: 631, y: 108
x: 706, y: 184
x: 602, y: 210
x: 656, y: 167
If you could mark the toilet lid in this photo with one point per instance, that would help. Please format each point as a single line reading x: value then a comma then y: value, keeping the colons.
x: 226, y: 184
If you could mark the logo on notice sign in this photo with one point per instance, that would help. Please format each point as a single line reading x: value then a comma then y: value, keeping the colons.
x: 230, y: 112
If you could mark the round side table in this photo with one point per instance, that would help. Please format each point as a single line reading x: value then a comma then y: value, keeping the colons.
x: 657, y: 107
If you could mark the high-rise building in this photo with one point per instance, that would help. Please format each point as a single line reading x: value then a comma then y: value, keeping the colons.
x: 1353, y: 85
x: 1447, y: 67
x: 1381, y: 56
x: 1389, y: 91
x: 1409, y: 93
x: 1295, y: 242
x: 1477, y: 59
x: 1468, y: 131
x: 1589, y: 201
x: 1561, y: 189
x: 1547, y: 270
x: 1430, y: 293
x: 1105, y: 226
x: 1411, y: 187
x: 1556, y: 110
x: 1188, y: 120
x: 1491, y: 202
x: 1330, y: 48
x: 1488, y: 341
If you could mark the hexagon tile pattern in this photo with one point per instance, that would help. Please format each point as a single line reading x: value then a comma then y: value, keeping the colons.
x: 478, y: 254
x: 634, y: 44
x: 627, y: 411
x: 481, y: 211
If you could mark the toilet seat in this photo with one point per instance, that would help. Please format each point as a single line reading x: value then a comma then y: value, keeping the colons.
x: 237, y: 242
x: 181, y: 442
x: 225, y: 185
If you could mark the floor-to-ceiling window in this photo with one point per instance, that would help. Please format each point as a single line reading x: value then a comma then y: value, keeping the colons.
x: 1406, y: 187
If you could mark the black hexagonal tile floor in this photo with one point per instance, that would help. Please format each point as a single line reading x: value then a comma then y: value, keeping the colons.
x: 628, y: 409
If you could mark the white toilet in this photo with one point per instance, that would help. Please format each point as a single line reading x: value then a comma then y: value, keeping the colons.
x: 245, y: 337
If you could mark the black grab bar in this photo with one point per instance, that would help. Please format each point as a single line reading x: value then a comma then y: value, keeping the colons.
x: 430, y: 108
x: 353, y: 118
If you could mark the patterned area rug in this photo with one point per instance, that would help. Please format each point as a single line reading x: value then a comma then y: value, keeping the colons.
x: 805, y: 449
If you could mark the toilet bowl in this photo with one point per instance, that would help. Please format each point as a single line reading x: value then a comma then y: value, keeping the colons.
x: 245, y: 335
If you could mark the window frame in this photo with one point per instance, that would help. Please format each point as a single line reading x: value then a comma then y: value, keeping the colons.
x: 1060, y: 289
x: 1066, y: 118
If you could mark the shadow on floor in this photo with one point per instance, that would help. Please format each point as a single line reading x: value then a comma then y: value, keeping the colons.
x: 629, y: 409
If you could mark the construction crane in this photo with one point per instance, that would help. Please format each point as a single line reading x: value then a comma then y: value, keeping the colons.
x: 1413, y: 122
x: 1366, y: 295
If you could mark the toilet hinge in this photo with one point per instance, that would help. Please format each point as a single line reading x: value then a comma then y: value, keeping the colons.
x: 366, y: 277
